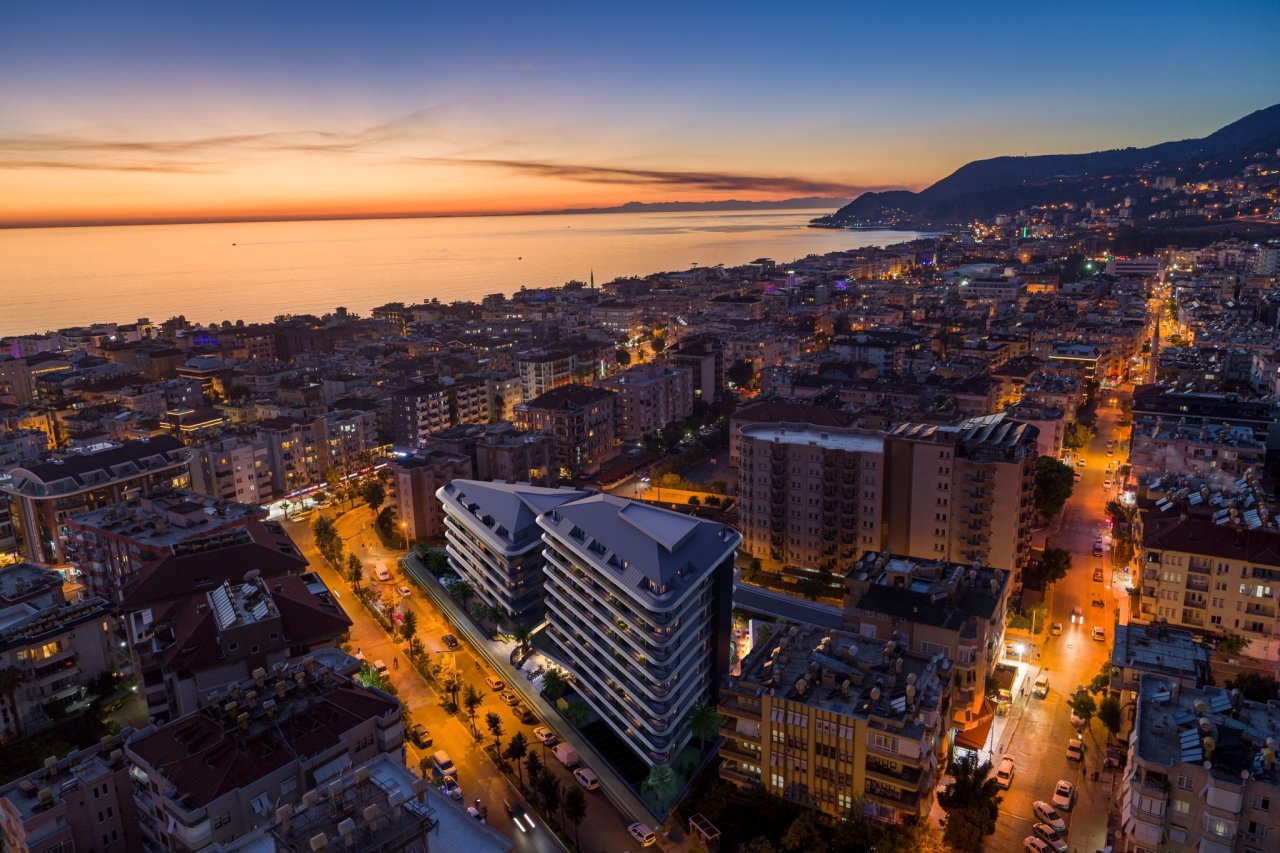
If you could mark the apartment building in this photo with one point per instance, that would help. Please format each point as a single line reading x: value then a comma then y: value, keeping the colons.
x: 43, y: 494
x: 773, y: 412
x: 650, y: 396
x: 584, y: 422
x: 57, y: 646
x: 703, y: 357
x: 1210, y: 563
x: 499, y: 451
x: 962, y: 493
x: 933, y: 607
x: 1201, y: 771
x: 541, y: 371
x: 494, y: 542
x: 347, y: 440
x: 415, y: 481
x: 109, y: 545
x: 835, y: 721
x: 83, y: 801
x: 1157, y: 446
x: 219, y: 773
x: 232, y: 468
x: 429, y: 407
x: 810, y: 496
x: 293, y: 453
x: 638, y: 601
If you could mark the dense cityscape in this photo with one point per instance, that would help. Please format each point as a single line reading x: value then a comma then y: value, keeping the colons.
x: 380, y: 473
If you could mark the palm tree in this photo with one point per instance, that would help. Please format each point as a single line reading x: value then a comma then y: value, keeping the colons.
x: 575, y: 809
x: 553, y: 684
x: 972, y: 803
x: 494, y: 723
x: 11, y: 678
x: 523, y: 634
x: 464, y: 592
x: 661, y: 778
x: 517, y: 749
x: 704, y: 722
x: 452, y: 685
x: 471, y: 700
x: 409, y: 627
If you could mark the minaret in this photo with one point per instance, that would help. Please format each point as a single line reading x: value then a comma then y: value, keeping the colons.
x: 593, y: 279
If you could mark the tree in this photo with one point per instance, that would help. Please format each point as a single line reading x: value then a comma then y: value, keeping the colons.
x: 11, y: 678
x: 1255, y: 686
x: 534, y: 764
x: 1109, y: 714
x: 494, y: 724
x: 1083, y: 705
x: 1054, y: 484
x: 972, y: 803
x: 741, y: 373
x: 1038, y: 611
x: 1102, y: 681
x: 355, y: 572
x: 517, y: 749
x: 522, y: 633
x: 658, y: 783
x: 694, y: 501
x: 549, y: 792
x: 806, y: 836
x: 471, y: 700
x: 704, y: 722
x: 1054, y: 565
x: 373, y: 494
x: 1232, y: 645
x: 659, y: 344
x: 453, y: 686
x: 409, y: 627
x: 575, y: 809
x: 576, y: 713
x: 1078, y: 435
x: 463, y: 591
x: 325, y: 534
x: 553, y: 684
x: 622, y: 357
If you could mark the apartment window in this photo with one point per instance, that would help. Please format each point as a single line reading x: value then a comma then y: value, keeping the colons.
x: 1262, y: 803
x: 776, y: 779
x: 1256, y: 829
x: 222, y: 820
x: 1184, y: 782
x: 1219, y: 827
x: 1182, y: 806
x: 884, y: 742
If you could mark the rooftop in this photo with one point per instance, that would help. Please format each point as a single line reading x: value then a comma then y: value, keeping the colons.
x: 162, y: 520
x: 509, y: 511
x: 830, y: 438
x: 1156, y: 649
x: 930, y: 592
x: 82, y: 471
x: 38, y: 791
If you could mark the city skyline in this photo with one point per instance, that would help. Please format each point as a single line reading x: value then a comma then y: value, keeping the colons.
x: 152, y: 114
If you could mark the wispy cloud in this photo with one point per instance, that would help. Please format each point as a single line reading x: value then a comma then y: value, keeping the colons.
x: 716, y: 181
x: 160, y: 168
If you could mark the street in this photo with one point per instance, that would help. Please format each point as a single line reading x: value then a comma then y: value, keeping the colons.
x: 603, y: 829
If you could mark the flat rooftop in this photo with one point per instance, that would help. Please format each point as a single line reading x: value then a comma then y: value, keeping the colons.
x: 829, y: 438
x: 161, y: 521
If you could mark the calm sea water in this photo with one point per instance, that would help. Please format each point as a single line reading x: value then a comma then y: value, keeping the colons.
x: 57, y: 277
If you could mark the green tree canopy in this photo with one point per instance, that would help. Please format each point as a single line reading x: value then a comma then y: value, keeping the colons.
x: 1054, y: 484
x: 1084, y: 706
x: 373, y: 494
x: 1109, y: 714
x: 972, y: 804
x: 1078, y: 435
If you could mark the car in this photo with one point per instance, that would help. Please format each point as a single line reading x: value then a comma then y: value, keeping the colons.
x: 1097, y: 574
x: 1080, y: 464
x: 1106, y: 484
x: 1075, y: 750
x: 450, y: 641
x: 545, y: 736
x: 1077, y: 616
x: 642, y: 834
x: 1110, y: 452
x: 443, y: 764
x: 586, y: 778
x: 1045, y: 814
x: 1004, y: 772
x: 1041, y: 688
x: 1097, y: 547
x: 494, y: 682
x: 451, y: 788
x: 475, y: 813
x: 380, y: 667
x: 420, y: 736
x: 1055, y: 629
x: 383, y: 574
x: 1098, y: 634
x: 1077, y: 721
x: 523, y: 714
x: 405, y: 591
x: 509, y: 698
x: 1064, y: 795
x: 520, y: 817
x: 1031, y: 844
x: 1052, y: 841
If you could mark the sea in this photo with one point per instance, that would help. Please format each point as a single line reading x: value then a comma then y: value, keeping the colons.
x: 54, y: 278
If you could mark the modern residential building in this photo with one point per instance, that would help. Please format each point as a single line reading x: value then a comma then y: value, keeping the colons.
x: 232, y: 468
x: 429, y: 407
x: 43, y: 494
x: 543, y: 370
x: 293, y: 453
x: 499, y: 451
x: 494, y: 541
x: 217, y: 774
x: 584, y: 422
x: 82, y: 801
x: 1210, y: 563
x: 638, y: 601
x: 962, y: 493
x: 835, y: 721
x: 703, y: 357
x: 650, y: 396
x: 934, y: 607
x: 109, y: 545
x: 810, y: 496
x: 416, y: 479
x: 1201, y: 771
x: 57, y: 646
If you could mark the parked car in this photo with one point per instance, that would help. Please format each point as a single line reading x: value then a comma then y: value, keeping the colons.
x: 523, y: 714
x: 1077, y: 722
x: 1031, y: 844
x: 443, y: 764
x: 1098, y: 634
x: 420, y: 736
x: 642, y: 834
x: 1097, y: 547
x: 450, y: 641
x: 405, y: 591
x: 1055, y: 629
x: 1106, y: 484
x: 1041, y: 688
x: 1075, y: 749
x: 475, y: 813
x: 1052, y: 841
x: 520, y: 817
x: 1045, y: 814
x: 545, y: 736
x: 1004, y: 772
x: 1064, y: 795
x: 1097, y: 574
x: 567, y: 755
x: 380, y: 667
x: 494, y: 682
x: 451, y: 788
x: 509, y: 698
x: 382, y: 573
x: 586, y: 778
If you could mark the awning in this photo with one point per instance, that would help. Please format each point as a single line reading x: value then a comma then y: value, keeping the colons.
x: 975, y: 738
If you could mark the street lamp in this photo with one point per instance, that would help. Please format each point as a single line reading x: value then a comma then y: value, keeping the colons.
x: 404, y: 532
x: 1020, y: 650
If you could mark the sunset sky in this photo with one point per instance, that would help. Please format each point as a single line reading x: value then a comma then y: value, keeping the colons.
x: 124, y: 111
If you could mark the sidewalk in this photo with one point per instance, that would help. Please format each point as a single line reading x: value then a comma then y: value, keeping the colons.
x: 498, y: 655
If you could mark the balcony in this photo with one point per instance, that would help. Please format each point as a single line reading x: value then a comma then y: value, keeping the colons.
x: 880, y: 770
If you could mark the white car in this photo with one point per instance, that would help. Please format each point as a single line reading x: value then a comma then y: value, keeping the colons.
x: 642, y: 834
x: 1075, y: 750
x: 1045, y: 834
x: 1055, y: 629
x: 1098, y: 634
x: 586, y: 778
x: 1106, y: 484
x: 1004, y: 772
x: 1041, y: 688
x: 545, y: 736
x: 1031, y: 844
x: 1077, y: 721
x: 451, y: 788
x: 475, y: 813
x: 1064, y: 795
x: 1045, y: 814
